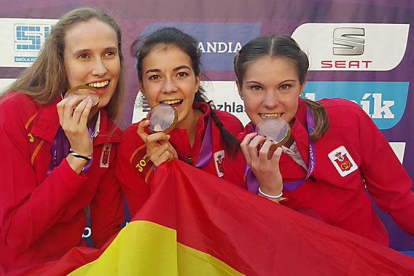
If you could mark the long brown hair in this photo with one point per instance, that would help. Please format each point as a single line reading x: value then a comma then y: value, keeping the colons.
x: 282, y: 46
x: 46, y: 79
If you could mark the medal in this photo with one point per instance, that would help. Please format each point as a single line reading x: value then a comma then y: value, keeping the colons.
x: 276, y: 130
x: 84, y: 90
x: 163, y: 118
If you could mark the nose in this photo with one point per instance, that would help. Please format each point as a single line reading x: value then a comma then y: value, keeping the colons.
x: 169, y: 85
x: 271, y: 99
x: 99, y: 68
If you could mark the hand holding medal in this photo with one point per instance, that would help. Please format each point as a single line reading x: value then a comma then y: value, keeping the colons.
x: 160, y: 120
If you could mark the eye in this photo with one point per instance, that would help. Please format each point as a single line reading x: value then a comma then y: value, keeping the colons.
x: 256, y: 87
x: 182, y: 74
x: 154, y: 77
x: 285, y: 86
x: 83, y: 56
x: 110, y: 54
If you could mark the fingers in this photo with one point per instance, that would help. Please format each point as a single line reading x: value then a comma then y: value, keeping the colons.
x: 141, y: 129
x: 276, y: 156
x: 71, y: 109
x: 85, y: 113
x: 163, y: 153
x: 244, y: 145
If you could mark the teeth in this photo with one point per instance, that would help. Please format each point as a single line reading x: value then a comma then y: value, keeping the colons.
x: 269, y: 115
x: 99, y: 84
x: 170, y: 102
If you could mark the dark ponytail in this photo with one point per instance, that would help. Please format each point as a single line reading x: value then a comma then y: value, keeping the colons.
x: 230, y: 143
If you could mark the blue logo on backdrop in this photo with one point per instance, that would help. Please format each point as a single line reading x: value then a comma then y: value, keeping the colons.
x: 29, y: 38
x: 218, y: 42
x: 384, y: 102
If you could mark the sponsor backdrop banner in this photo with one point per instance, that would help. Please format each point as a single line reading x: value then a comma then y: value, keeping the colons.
x: 359, y: 50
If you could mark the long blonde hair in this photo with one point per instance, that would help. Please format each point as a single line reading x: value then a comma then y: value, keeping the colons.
x: 46, y: 79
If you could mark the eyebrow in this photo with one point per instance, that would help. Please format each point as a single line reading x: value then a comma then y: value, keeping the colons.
x: 175, y: 69
x: 112, y: 48
x: 256, y: 82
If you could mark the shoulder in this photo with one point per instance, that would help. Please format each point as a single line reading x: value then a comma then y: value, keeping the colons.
x: 337, y: 105
x: 16, y: 108
x: 343, y: 110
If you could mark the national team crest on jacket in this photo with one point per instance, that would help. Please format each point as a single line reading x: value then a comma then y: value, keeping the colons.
x: 342, y: 161
x: 218, y: 160
x: 106, y: 153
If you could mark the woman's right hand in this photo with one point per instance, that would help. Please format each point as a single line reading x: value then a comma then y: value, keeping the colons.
x: 159, y: 149
x: 264, y: 167
x: 73, y: 118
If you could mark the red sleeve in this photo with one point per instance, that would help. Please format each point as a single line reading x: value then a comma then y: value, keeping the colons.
x: 27, y: 208
x: 133, y: 167
x: 385, y: 177
x: 107, y: 207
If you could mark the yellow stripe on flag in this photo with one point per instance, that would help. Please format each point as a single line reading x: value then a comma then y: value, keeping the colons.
x: 195, y: 262
x: 146, y: 248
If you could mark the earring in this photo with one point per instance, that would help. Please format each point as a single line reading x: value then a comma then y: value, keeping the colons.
x: 241, y: 97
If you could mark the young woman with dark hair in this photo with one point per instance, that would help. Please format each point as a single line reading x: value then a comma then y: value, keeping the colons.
x: 169, y: 72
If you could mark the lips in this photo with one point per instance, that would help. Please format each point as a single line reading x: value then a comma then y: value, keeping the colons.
x: 173, y: 103
x: 100, y: 86
x: 270, y: 115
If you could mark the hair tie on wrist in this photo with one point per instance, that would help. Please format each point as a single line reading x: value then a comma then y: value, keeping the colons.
x: 270, y: 196
x: 77, y: 155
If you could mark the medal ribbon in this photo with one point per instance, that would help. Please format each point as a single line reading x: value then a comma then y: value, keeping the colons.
x: 60, y: 150
x: 206, y: 150
x: 253, y: 183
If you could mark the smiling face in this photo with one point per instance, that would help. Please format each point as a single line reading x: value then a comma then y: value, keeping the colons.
x: 271, y: 89
x: 168, y: 77
x: 91, y: 57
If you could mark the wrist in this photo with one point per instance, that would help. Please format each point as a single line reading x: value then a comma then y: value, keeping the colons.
x: 77, y: 164
x: 272, y: 191
x: 87, y: 158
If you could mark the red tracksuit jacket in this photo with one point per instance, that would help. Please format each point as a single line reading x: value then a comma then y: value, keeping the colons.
x: 134, y: 166
x: 337, y: 194
x: 42, y: 217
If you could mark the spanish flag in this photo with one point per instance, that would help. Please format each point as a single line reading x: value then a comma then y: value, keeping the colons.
x: 197, y: 224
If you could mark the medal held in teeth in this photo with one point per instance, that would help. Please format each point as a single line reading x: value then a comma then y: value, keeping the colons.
x: 163, y: 118
x: 276, y: 130
x: 84, y: 90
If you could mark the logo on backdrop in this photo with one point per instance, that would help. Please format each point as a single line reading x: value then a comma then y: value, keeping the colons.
x: 22, y: 40
x: 353, y: 46
x: 384, y: 102
x: 218, y: 42
x: 348, y: 41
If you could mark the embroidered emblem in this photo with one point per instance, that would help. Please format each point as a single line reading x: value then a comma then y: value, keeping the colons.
x: 105, y: 155
x: 218, y: 160
x: 342, y: 161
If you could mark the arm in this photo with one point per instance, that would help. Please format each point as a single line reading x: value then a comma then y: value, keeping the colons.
x: 385, y: 178
x: 28, y: 207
